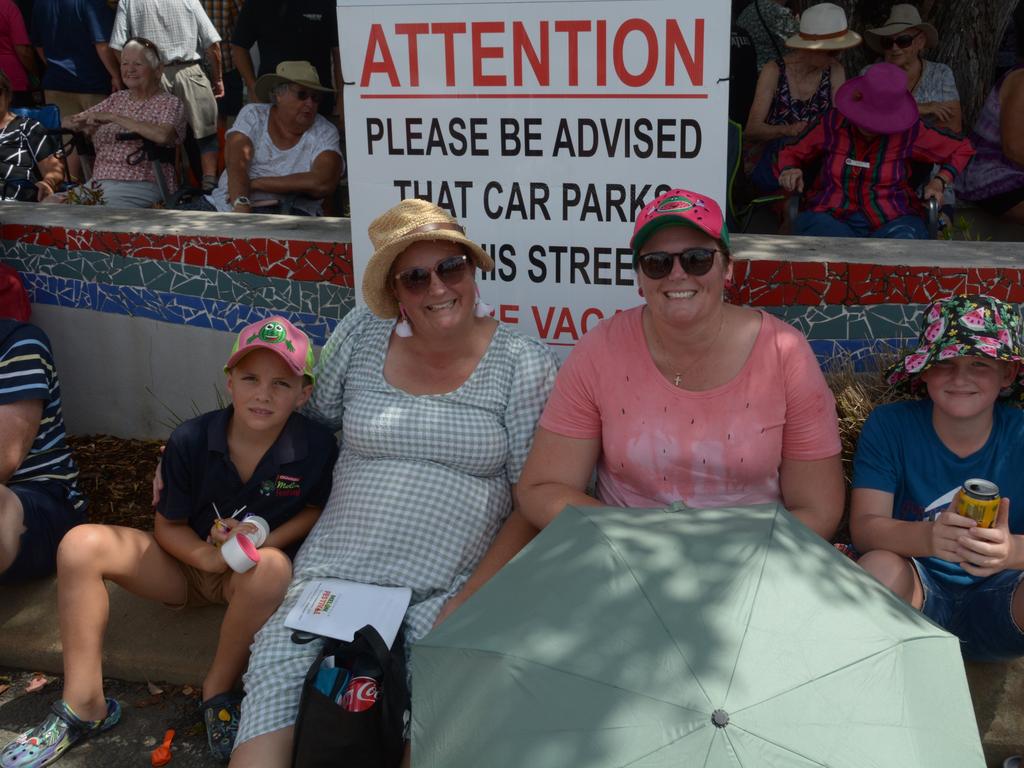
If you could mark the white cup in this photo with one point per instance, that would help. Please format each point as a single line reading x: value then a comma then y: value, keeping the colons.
x: 240, y: 553
x: 263, y: 529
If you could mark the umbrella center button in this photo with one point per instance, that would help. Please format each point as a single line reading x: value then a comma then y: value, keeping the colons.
x: 720, y: 718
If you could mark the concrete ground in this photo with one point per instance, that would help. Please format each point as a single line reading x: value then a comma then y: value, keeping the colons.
x: 145, y: 719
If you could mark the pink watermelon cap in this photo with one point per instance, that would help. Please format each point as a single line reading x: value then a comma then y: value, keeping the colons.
x: 679, y: 207
x: 278, y: 335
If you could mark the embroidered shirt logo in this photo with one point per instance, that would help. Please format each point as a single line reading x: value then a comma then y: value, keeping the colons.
x: 286, y: 485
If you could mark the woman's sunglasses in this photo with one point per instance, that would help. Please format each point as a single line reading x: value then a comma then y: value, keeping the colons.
x: 450, y: 271
x: 903, y: 41
x: 694, y: 261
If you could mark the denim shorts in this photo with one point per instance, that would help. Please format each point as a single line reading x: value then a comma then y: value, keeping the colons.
x: 979, y: 614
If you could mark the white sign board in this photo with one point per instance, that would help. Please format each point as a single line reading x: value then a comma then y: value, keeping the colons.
x: 543, y: 127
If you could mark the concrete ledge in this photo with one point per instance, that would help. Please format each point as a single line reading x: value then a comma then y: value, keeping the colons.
x: 145, y: 641
x: 998, y: 694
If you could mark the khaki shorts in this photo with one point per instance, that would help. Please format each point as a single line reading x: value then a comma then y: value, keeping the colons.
x: 190, y: 84
x: 72, y: 103
x: 204, y: 588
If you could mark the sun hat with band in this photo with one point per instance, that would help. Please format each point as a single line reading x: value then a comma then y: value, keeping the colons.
x: 878, y: 101
x: 902, y: 18
x: 823, y: 27
x: 296, y: 72
x: 395, y: 230
x: 960, y: 326
x: 278, y: 335
x: 679, y: 207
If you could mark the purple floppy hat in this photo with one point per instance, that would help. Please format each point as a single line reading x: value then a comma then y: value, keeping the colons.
x: 878, y: 101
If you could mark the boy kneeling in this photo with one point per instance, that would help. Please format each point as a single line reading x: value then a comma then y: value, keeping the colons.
x: 914, y: 456
x: 257, y: 455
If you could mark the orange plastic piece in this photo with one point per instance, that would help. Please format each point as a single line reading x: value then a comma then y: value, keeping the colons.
x: 162, y: 754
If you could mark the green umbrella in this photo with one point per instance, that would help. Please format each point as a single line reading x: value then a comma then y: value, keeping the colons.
x: 680, y: 637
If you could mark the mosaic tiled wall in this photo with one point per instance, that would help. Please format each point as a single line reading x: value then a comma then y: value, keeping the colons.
x: 223, y: 283
x: 855, y: 306
x: 207, y: 282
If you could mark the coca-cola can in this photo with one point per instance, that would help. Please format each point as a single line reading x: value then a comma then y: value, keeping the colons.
x: 360, y: 695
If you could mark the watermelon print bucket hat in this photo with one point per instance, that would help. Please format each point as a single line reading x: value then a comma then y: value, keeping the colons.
x: 958, y: 327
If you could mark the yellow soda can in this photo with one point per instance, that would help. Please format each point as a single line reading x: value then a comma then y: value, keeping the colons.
x: 979, y: 500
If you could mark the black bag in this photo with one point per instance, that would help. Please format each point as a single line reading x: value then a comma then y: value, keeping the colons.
x: 327, y: 735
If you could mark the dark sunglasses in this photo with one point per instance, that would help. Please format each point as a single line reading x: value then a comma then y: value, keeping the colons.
x: 302, y: 94
x: 903, y: 41
x: 694, y: 261
x: 450, y: 271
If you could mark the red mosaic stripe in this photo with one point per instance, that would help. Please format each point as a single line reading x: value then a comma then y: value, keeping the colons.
x: 786, y: 283
x: 290, y: 259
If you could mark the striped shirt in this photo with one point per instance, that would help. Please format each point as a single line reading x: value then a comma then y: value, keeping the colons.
x: 871, y: 174
x: 27, y: 372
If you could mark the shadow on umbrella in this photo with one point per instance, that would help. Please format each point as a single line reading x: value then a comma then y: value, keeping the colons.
x: 679, y: 637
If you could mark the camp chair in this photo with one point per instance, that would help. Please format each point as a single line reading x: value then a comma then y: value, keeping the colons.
x: 738, y: 219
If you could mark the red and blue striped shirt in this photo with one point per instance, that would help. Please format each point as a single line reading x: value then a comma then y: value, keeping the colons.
x: 871, y: 174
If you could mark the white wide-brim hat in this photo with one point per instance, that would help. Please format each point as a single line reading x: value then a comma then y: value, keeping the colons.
x: 823, y: 27
x: 902, y: 18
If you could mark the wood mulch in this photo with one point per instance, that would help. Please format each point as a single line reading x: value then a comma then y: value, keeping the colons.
x: 117, y: 477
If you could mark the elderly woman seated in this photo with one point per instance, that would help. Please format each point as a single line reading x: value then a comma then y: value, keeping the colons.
x: 26, y: 175
x: 866, y: 144
x: 120, y: 170
x: 279, y: 150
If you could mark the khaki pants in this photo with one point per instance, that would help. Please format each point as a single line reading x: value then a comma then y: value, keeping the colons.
x: 190, y: 84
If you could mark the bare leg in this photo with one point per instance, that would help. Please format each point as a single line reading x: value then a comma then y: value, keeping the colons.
x: 270, y: 750
x: 897, y: 573
x: 12, y: 525
x: 252, y: 599
x: 87, y: 555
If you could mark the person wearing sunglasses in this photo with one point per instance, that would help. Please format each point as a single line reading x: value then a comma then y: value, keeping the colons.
x: 281, y: 156
x: 867, y: 144
x: 687, y: 398
x: 900, y: 41
x: 437, y: 404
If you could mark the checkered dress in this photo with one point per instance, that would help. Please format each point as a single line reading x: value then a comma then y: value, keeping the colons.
x: 421, y: 487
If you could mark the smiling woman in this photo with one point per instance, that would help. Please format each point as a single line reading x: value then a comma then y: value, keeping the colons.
x: 686, y: 398
x: 437, y: 404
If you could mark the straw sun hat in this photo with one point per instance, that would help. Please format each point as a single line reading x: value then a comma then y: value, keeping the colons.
x: 823, y: 27
x: 395, y: 230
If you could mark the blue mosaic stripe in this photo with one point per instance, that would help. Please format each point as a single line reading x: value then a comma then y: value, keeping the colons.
x: 193, y: 311
x: 273, y: 293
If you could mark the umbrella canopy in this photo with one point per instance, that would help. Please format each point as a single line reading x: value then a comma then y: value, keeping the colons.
x: 680, y: 637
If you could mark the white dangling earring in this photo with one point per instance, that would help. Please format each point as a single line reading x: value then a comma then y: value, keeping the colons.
x: 481, y: 308
x: 403, y: 328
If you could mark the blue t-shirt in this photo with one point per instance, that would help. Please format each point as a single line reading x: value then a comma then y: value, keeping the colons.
x: 198, y: 473
x: 67, y: 31
x: 900, y: 453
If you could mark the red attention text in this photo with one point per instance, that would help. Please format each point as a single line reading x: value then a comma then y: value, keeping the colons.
x: 569, y: 49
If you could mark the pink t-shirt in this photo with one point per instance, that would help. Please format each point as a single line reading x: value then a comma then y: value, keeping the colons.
x: 112, y: 155
x: 12, y: 33
x: 718, y: 448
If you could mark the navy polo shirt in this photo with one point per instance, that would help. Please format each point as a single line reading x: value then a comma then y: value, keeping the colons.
x: 198, y: 473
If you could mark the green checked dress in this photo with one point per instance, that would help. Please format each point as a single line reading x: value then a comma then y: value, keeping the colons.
x: 421, y: 486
